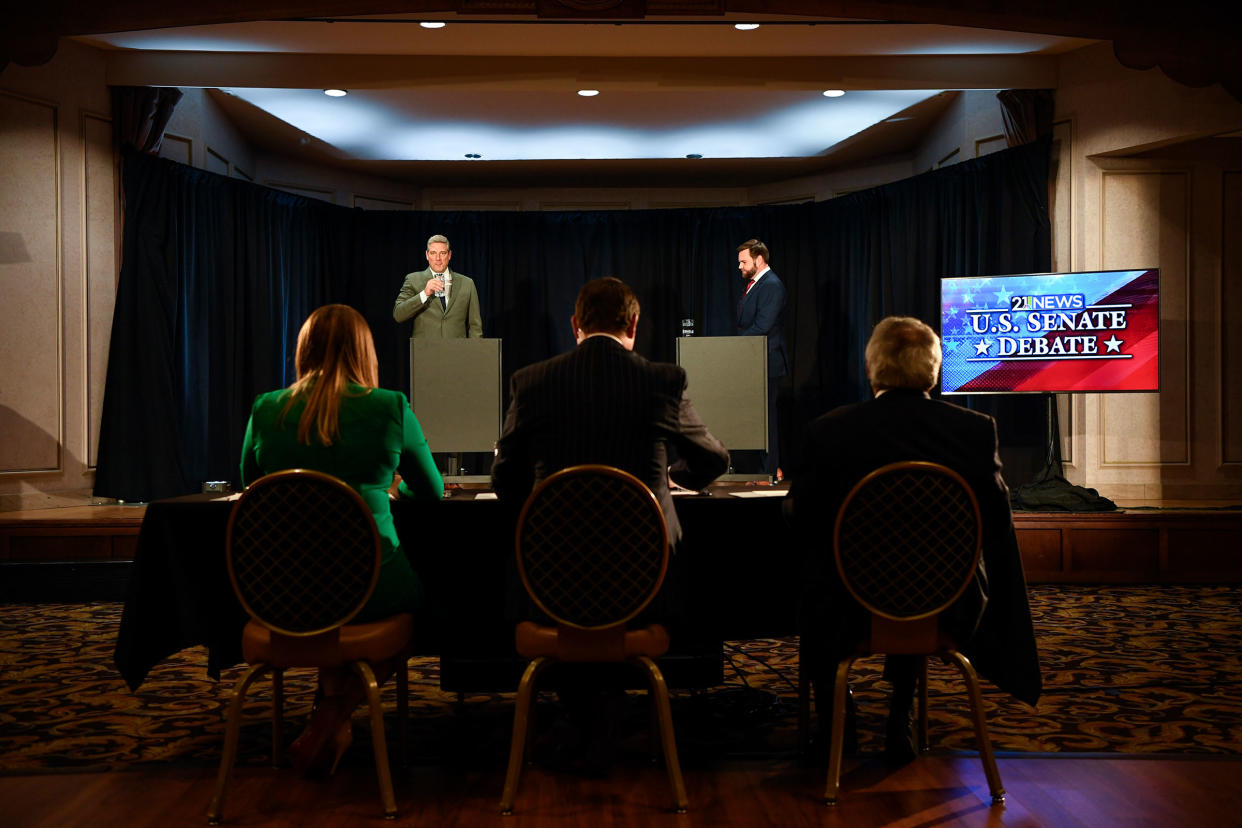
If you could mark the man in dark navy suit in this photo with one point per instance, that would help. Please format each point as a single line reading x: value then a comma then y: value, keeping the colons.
x: 992, y: 619
x: 761, y: 312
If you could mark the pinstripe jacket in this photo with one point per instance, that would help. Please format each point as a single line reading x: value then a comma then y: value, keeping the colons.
x: 601, y: 403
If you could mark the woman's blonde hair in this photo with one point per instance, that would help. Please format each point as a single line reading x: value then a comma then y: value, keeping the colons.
x: 335, y: 350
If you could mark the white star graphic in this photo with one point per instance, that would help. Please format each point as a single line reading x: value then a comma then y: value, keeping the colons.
x: 1113, y: 344
x: 981, y: 347
x: 1003, y: 295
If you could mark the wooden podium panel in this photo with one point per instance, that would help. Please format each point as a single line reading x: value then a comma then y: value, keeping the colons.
x: 455, y: 392
x: 727, y: 379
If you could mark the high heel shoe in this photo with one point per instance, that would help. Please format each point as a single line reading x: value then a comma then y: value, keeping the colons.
x: 318, y: 750
x: 341, y: 742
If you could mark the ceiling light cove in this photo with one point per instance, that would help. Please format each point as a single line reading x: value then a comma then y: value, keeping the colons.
x: 335, y: 93
x: 833, y: 93
x: 745, y: 27
x: 588, y: 93
x: 386, y: 125
x: 431, y: 24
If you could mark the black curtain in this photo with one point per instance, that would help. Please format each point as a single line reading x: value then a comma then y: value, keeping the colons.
x: 218, y: 275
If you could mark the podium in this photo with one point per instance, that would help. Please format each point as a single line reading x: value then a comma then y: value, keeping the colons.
x: 455, y: 393
x: 727, y: 379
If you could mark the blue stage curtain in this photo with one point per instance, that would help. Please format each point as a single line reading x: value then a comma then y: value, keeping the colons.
x: 218, y: 275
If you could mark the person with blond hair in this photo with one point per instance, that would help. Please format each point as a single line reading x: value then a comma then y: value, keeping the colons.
x: 991, y: 619
x: 335, y: 420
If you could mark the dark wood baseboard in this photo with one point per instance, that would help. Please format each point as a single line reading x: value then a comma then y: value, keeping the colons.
x: 83, y: 553
x: 1131, y: 546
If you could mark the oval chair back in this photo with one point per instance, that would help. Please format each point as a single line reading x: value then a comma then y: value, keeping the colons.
x: 907, y: 540
x: 303, y: 552
x: 592, y: 546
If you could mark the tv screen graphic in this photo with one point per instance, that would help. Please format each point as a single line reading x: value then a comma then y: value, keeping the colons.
x: 1051, y: 332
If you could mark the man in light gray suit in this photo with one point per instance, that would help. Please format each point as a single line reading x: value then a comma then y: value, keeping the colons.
x: 443, y: 304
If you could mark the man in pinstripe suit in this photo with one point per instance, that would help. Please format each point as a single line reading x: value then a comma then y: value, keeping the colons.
x: 603, y: 403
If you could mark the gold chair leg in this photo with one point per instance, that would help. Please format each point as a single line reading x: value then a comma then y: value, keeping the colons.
x: 377, y: 738
x: 923, y: 745
x: 659, y: 690
x: 981, y: 727
x: 403, y: 706
x: 231, y: 730
x: 836, y: 748
x: 521, y: 716
x: 804, y: 703
x: 278, y: 713
x: 654, y: 745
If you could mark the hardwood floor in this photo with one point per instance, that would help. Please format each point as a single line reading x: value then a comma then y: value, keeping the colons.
x: 937, y: 790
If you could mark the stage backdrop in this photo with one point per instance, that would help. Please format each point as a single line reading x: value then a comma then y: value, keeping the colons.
x: 218, y: 275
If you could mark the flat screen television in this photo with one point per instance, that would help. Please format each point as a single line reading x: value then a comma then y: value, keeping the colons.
x: 1051, y: 332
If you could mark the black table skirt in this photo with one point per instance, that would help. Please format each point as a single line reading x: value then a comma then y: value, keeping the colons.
x: 737, y: 574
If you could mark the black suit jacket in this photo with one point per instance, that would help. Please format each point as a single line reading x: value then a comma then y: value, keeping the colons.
x: 762, y: 313
x: 847, y: 443
x: 600, y: 403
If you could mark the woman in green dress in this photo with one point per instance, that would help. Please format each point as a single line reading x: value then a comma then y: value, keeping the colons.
x: 334, y: 420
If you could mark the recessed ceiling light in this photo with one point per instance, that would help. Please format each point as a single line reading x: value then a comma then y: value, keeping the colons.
x: 431, y: 24
x: 335, y: 93
x: 588, y: 93
x: 694, y: 155
x: 833, y: 93
x: 745, y: 27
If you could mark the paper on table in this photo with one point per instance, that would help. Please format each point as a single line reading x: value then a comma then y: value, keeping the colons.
x: 761, y: 493
x: 233, y: 496
x: 485, y: 496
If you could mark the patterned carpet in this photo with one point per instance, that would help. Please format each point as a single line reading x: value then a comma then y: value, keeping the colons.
x: 1126, y: 670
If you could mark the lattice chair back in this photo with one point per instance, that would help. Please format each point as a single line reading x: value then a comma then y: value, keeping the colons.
x: 303, y: 552
x: 592, y: 546
x: 907, y: 540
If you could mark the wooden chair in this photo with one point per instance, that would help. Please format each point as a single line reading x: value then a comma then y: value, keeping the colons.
x: 592, y: 551
x: 907, y: 542
x: 303, y: 557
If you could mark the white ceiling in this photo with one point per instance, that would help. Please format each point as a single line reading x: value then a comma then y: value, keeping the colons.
x: 506, y: 90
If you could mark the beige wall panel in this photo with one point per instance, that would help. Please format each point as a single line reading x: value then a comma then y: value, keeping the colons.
x: 568, y: 206
x: 1145, y: 223
x: 458, y: 204
x: 1061, y: 196
x: 101, y: 225
x: 177, y: 148
x: 217, y: 163
x: 30, y: 319
x: 299, y: 189
x: 989, y: 145
x: 373, y: 203
x: 1231, y: 319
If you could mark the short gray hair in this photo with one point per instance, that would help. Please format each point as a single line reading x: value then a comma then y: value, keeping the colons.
x: 438, y: 239
x: 903, y: 352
